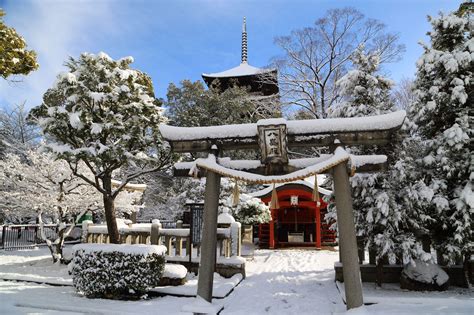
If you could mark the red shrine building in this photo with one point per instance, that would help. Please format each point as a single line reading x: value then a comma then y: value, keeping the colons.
x: 299, y: 221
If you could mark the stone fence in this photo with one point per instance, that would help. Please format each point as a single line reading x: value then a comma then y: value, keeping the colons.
x: 178, y: 242
x: 381, y: 271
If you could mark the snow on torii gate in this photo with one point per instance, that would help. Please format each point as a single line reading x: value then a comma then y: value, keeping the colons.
x: 273, y: 137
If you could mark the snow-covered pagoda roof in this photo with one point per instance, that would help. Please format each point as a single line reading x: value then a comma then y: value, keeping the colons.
x: 259, y: 80
x: 244, y: 69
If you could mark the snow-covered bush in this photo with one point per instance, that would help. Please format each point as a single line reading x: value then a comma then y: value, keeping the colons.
x: 251, y: 211
x: 116, y: 271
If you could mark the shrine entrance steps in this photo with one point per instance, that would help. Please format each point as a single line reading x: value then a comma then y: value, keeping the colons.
x: 328, y: 239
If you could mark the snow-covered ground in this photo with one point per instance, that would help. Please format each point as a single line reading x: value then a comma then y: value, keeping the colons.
x: 278, y: 282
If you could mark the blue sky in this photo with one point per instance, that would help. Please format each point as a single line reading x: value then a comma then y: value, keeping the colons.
x: 176, y: 40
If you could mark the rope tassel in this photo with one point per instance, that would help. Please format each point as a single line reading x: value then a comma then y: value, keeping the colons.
x: 235, y: 195
x: 274, y: 202
x: 315, y: 190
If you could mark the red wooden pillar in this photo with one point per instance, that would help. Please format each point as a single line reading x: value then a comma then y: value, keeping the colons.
x: 271, y: 244
x: 318, y: 224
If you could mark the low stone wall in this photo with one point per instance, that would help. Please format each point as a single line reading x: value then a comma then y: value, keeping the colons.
x: 392, y: 274
x: 171, y: 281
x: 226, y: 271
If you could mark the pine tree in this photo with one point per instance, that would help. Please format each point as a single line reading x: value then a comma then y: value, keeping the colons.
x: 104, y: 114
x: 14, y: 57
x: 366, y: 93
x: 443, y: 113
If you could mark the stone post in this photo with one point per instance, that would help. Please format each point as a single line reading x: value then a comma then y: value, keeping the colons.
x: 209, y: 236
x: 347, y: 237
x: 155, y: 232
x: 235, y: 239
x: 178, y: 246
x: 85, y: 230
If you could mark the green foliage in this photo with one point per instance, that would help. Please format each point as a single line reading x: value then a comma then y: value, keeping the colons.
x: 251, y: 211
x: 14, y: 58
x: 116, y: 275
x: 102, y: 112
x: 192, y: 105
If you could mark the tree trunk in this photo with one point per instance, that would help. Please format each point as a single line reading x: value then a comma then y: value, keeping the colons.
x: 109, y: 207
x: 379, y: 272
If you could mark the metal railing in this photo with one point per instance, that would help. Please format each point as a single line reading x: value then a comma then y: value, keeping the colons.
x: 25, y: 236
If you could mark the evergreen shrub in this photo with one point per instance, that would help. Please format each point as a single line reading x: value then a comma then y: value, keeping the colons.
x: 116, y: 271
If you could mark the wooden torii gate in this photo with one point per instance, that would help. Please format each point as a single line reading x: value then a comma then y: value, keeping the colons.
x: 273, y: 137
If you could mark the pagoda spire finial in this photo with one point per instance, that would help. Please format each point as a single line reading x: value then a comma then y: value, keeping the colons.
x: 244, y: 42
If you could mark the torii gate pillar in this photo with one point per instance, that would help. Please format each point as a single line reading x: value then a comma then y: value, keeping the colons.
x: 347, y: 237
x: 209, y: 236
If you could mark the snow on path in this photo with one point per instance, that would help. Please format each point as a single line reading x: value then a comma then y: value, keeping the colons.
x: 278, y: 282
x: 26, y: 298
x: 32, y: 265
x: 287, y: 282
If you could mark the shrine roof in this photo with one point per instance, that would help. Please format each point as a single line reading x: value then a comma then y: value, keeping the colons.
x: 267, y: 190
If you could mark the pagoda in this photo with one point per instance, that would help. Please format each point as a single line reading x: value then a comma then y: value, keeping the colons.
x: 260, y: 81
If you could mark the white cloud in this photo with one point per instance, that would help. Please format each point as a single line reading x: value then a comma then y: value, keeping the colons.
x: 55, y: 31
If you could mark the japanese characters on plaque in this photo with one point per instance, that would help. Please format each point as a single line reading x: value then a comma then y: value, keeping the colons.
x: 272, y: 140
x: 294, y: 200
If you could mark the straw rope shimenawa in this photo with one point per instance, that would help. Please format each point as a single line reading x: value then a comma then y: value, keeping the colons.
x: 250, y: 178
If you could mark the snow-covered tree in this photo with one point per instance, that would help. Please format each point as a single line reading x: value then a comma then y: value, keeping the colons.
x: 14, y: 57
x: 403, y: 95
x: 363, y: 91
x: 316, y: 57
x: 378, y: 220
x: 192, y: 105
x: 250, y: 210
x: 36, y: 184
x: 129, y: 202
x: 443, y: 113
x: 104, y: 114
x: 16, y: 134
x: 180, y: 192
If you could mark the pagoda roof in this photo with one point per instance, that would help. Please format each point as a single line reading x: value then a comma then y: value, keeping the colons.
x: 242, y: 70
